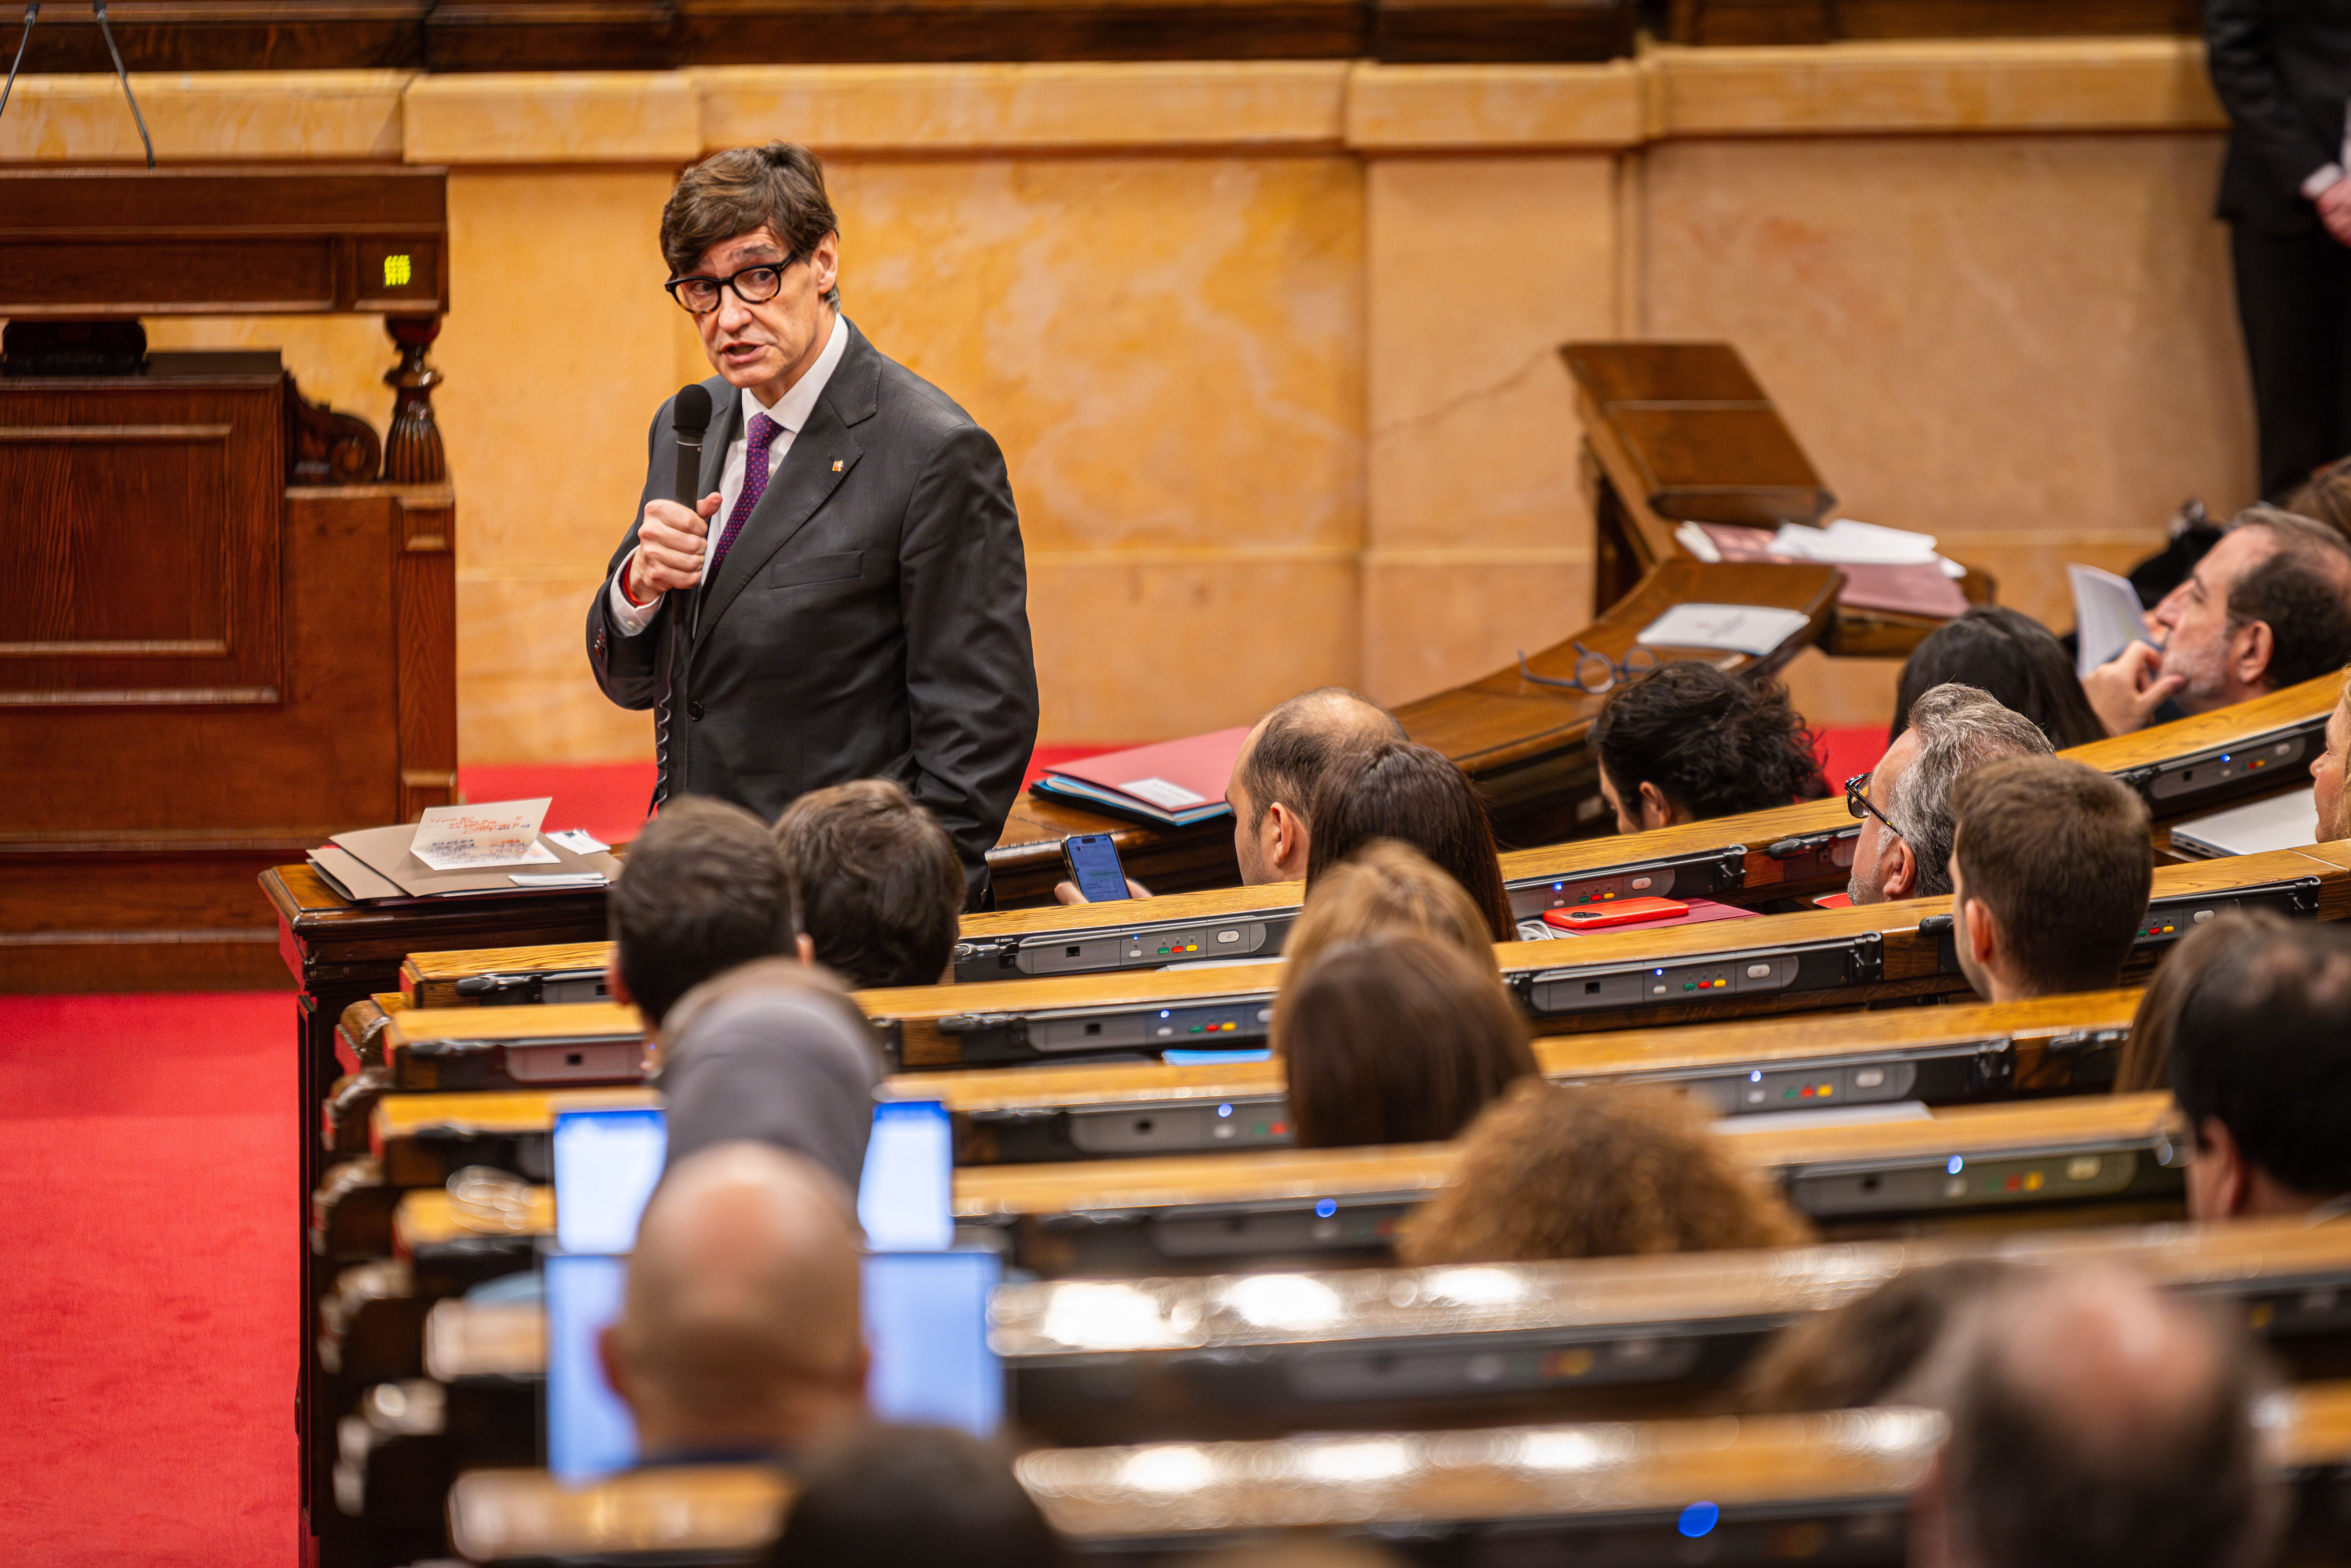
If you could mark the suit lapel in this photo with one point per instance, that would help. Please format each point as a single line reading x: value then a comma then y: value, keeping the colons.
x: 821, y: 457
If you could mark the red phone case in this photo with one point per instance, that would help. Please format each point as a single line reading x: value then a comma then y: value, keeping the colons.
x: 1630, y: 911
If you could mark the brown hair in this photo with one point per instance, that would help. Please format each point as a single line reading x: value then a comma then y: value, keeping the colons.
x: 1863, y: 1350
x: 2059, y: 852
x: 1596, y: 1171
x: 2146, y: 1064
x: 779, y: 187
x: 1383, y: 888
x: 1301, y: 741
x: 875, y: 883
x: 1401, y: 790
x: 1400, y: 1039
x: 2326, y: 497
x: 1713, y: 744
x: 701, y: 890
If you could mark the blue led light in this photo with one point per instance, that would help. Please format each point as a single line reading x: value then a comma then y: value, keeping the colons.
x: 1324, y: 1208
x: 1956, y: 1166
x: 1699, y: 1519
x: 1224, y: 1111
x: 1756, y: 1076
x: 1162, y: 1012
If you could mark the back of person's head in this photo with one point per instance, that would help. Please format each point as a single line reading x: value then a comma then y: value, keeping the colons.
x: 912, y: 1497
x: 1711, y: 744
x: 1398, y: 1039
x: 775, y: 1052
x: 2261, y: 1045
x: 2058, y: 853
x: 739, y: 1328
x: 701, y: 890
x: 1299, y: 743
x: 1864, y: 1351
x: 1383, y: 888
x: 876, y: 884
x: 2301, y: 590
x: 1596, y: 1171
x: 2145, y: 1063
x: 1403, y: 791
x: 2013, y: 658
x: 1960, y: 730
x: 2326, y: 497
x: 2094, y: 1423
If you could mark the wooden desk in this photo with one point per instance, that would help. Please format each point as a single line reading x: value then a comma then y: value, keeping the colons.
x: 1757, y: 858
x: 1522, y: 744
x: 1203, y: 1212
x: 1716, y: 22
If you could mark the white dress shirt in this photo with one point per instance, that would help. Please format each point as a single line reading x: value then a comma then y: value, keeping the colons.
x: 791, y: 412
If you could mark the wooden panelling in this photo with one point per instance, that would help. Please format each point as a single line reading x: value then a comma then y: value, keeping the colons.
x: 230, y: 34
x: 1826, y: 21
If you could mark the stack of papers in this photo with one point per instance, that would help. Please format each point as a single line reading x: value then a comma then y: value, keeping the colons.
x: 1885, y: 568
x: 461, y: 851
x: 1172, y: 785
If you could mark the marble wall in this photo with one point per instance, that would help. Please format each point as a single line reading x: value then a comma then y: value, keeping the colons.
x: 1271, y: 347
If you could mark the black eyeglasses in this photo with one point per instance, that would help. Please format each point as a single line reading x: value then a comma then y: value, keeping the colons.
x: 1595, y: 673
x: 1857, y: 800
x: 753, y: 286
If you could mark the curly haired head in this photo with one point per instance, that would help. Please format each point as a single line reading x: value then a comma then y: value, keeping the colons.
x: 1553, y: 1171
x: 1707, y: 745
x: 1386, y: 887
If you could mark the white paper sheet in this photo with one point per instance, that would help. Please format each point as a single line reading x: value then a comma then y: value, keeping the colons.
x: 1753, y: 629
x: 2106, y: 616
x: 481, y: 837
x: 1165, y: 794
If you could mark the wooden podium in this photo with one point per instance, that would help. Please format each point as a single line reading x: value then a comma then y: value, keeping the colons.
x: 225, y: 637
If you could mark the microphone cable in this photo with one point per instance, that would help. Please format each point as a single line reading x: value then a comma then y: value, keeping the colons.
x: 32, y: 15
x: 121, y: 75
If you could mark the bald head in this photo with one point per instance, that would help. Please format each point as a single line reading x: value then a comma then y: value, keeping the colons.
x: 741, y: 1328
x: 1283, y: 763
x: 2095, y: 1422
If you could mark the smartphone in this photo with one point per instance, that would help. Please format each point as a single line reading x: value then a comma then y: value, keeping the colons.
x: 1623, y: 912
x: 905, y: 1195
x: 1092, y: 860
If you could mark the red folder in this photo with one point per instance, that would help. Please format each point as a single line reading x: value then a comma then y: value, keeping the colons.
x: 1174, y: 782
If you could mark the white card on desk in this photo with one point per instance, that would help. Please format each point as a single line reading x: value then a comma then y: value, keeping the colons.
x: 1165, y: 794
x: 1753, y: 629
x: 479, y: 838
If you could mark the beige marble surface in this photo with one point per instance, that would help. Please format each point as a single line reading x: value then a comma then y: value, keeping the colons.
x: 1271, y: 346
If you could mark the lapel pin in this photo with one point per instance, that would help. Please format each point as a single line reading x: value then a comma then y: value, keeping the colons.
x: 836, y: 464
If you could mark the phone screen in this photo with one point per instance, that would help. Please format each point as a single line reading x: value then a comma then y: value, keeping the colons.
x: 926, y: 1328
x: 590, y: 1432
x: 905, y: 1195
x: 1093, y: 865
x: 607, y: 1164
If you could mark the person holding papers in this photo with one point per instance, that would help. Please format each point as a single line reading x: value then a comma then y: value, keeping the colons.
x: 2268, y: 606
x: 864, y: 610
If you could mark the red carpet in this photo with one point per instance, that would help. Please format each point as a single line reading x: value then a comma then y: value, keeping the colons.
x: 147, y: 1279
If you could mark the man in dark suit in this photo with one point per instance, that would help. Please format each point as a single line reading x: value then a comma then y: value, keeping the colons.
x: 2283, y: 68
x: 866, y: 608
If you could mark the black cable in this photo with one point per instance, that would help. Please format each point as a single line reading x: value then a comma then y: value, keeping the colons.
x: 124, y: 77
x: 32, y: 15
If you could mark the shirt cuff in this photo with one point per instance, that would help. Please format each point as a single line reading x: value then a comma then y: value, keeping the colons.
x: 2320, y: 183
x: 630, y: 619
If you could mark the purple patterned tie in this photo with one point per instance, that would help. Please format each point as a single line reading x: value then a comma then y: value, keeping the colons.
x: 764, y: 432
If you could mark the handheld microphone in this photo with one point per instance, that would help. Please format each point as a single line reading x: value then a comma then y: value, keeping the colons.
x: 689, y: 416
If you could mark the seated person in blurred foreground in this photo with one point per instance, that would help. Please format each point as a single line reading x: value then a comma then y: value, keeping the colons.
x: 2094, y: 1423
x: 775, y: 1052
x: 1596, y: 1171
x: 2010, y: 657
x: 1904, y: 850
x: 1866, y: 1351
x: 739, y: 1335
x: 701, y: 890
x: 2051, y: 867
x: 2146, y: 1064
x: 1383, y: 888
x: 2268, y: 606
x: 1409, y: 792
x: 1398, y: 1039
x: 1686, y: 742
x: 2327, y: 770
x: 912, y: 1497
x: 877, y: 889
x: 1276, y: 776
x: 2261, y: 1064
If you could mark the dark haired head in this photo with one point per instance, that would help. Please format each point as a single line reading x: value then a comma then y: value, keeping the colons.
x: 913, y: 1497
x: 2058, y: 853
x: 2299, y: 591
x: 2013, y: 657
x: 1400, y: 1039
x: 2261, y: 1045
x: 1861, y: 1351
x: 1713, y: 745
x: 701, y: 890
x: 1403, y: 791
x: 2146, y: 1064
x: 876, y: 882
x: 779, y: 187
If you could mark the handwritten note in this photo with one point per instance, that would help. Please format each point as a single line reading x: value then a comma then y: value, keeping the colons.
x: 475, y: 838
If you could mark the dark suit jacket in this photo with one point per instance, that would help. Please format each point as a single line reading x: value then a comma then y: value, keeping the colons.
x: 870, y: 617
x: 2283, y: 68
